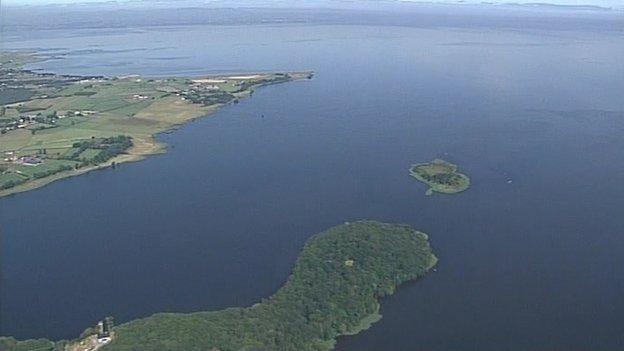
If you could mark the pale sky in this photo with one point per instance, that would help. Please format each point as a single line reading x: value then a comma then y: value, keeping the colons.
x: 605, y: 3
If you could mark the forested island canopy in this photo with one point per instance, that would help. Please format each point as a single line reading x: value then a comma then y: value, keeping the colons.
x: 333, y: 290
x: 441, y: 176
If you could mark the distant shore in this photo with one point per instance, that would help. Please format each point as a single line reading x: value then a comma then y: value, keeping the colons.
x: 164, y: 114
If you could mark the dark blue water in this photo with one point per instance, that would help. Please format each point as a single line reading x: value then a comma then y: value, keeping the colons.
x: 219, y: 220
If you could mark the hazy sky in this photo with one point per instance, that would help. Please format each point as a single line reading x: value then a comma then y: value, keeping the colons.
x: 607, y: 3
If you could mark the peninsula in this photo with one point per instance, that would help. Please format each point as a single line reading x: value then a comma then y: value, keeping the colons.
x: 56, y: 126
x: 441, y: 176
x: 334, y: 290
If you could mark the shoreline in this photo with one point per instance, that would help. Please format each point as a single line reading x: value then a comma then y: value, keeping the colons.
x: 147, y: 146
x: 333, y: 242
x: 156, y: 147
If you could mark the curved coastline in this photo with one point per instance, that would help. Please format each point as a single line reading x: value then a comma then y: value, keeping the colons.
x: 333, y: 291
x: 169, y: 115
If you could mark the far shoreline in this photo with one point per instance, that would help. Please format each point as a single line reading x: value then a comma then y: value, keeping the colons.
x: 146, y: 146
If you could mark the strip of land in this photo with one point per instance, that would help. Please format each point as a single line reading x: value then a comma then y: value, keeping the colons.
x: 57, y: 126
x: 334, y: 290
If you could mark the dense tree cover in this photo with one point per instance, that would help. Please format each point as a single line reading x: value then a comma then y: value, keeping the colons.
x: 334, y: 288
x: 278, y: 78
x: 209, y: 98
x: 12, y: 95
x: 109, y: 148
x: 336, y: 283
x: 441, y: 176
x: 11, y: 183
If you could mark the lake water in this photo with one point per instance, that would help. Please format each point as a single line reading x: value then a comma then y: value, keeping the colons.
x: 531, y: 256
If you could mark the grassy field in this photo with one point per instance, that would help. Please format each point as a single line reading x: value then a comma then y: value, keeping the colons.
x: 441, y: 176
x: 50, y: 166
x: 67, y: 110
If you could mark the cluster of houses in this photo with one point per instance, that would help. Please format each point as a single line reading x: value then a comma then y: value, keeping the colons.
x: 25, y: 122
x: 11, y: 156
x: 199, y: 88
x: 79, y: 113
x: 104, y: 329
x: 92, y: 80
x: 29, y: 120
x: 140, y: 97
x: 102, y: 335
x: 207, y: 83
x: 30, y: 160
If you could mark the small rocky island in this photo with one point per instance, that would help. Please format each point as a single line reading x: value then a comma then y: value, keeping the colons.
x: 441, y: 176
